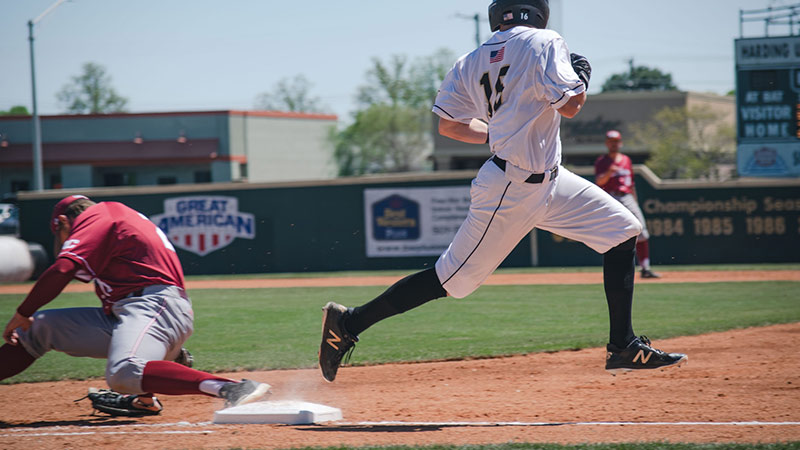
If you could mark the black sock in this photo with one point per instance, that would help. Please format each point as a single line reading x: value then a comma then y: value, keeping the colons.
x: 618, y: 272
x: 406, y: 294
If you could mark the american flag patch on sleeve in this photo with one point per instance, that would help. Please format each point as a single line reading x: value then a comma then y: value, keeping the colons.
x: 496, y: 55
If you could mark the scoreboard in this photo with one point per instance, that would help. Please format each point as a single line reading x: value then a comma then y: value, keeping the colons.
x: 768, y: 106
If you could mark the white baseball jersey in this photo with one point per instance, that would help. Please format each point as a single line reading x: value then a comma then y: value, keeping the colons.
x: 515, y: 82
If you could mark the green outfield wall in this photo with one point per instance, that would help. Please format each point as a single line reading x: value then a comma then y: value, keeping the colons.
x: 743, y: 221
x: 405, y: 221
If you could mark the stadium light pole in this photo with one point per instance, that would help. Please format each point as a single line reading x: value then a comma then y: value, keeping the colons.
x: 38, y: 172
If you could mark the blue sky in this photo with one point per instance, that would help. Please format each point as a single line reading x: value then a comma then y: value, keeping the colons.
x: 185, y: 55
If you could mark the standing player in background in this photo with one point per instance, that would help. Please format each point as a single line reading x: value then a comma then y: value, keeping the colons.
x: 614, y: 173
x: 145, y: 317
x: 511, y: 92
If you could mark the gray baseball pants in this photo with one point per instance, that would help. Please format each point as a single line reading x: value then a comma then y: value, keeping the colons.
x: 150, y: 327
x: 629, y: 201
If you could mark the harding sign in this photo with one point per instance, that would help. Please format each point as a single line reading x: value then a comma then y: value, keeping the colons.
x: 768, y: 106
x: 768, y: 51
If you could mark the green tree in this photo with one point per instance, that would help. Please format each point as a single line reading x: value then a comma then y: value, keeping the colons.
x: 639, y: 78
x: 391, y: 129
x: 688, y: 143
x: 91, y: 93
x: 292, y: 95
x: 17, y: 110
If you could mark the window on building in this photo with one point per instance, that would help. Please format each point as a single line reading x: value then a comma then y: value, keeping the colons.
x: 113, y: 179
x: 119, y: 179
x: 167, y: 180
x: 116, y: 179
x: 243, y: 170
x: 19, y: 185
x: 55, y: 181
x: 202, y: 176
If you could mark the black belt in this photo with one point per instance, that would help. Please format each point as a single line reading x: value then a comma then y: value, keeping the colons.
x: 535, y: 178
x: 157, y: 288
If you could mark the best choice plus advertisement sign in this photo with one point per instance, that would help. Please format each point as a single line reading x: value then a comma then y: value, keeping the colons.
x: 413, y: 221
x: 768, y: 106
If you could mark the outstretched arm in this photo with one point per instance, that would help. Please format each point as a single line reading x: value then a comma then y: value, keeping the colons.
x: 49, y: 285
x: 475, y: 132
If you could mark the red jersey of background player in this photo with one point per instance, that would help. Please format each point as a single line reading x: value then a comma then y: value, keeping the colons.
x: 122, y: 251
x: 622, y: 179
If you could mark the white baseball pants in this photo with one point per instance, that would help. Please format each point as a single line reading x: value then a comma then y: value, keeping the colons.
x: 502, y: 212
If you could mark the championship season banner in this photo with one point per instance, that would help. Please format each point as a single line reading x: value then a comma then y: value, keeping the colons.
x: 413, y: 221
x: 203, y: 224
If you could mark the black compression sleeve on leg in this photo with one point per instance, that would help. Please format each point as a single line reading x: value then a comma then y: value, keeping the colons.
x: 618, y: 272
x: 408, y: 293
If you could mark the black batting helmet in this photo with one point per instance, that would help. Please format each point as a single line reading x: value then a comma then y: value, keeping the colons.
x: 528, y: 12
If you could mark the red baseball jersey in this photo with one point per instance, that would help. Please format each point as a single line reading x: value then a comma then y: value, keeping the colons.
x: 622, y: 179
x: 121, y: 250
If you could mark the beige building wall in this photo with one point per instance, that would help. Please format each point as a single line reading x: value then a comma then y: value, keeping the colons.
x: 284, y: 148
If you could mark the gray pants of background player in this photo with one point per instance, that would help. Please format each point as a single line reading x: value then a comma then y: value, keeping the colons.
x: 140, y: 329
x: 629, y: 201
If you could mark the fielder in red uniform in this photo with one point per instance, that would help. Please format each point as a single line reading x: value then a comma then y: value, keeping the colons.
x: 614, y: 173
x: 145, y: 317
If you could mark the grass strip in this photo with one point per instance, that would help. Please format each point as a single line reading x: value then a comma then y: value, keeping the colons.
x: 257, y: 329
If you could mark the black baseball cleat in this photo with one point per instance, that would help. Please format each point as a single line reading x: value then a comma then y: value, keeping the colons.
x: 184, y: 358
x: 647, y: 273
x: 640, y: 355
x: 336, y: 341
x: 243, y: 392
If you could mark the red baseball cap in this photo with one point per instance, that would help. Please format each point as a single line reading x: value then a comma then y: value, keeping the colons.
x: 59, y: 209
x: 613, y: 134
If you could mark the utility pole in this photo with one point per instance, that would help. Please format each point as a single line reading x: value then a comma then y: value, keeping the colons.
x: 38, y: 172
x: 477, y: 19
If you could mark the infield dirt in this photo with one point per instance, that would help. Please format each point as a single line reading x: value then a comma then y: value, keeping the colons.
x: 739, y: 386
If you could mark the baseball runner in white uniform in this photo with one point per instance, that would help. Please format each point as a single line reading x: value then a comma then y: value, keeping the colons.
x: 511, y: 92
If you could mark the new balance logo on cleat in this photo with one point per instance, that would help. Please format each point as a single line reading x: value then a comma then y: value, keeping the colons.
x: 639, y: 354
x: 332, y: 341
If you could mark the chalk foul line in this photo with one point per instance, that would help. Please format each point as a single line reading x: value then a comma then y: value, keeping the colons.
x: 550, y: 424
x: 150, y: 429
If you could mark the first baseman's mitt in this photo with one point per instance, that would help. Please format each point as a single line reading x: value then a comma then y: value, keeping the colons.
x: 582, y: 67
x: 116, y: 404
